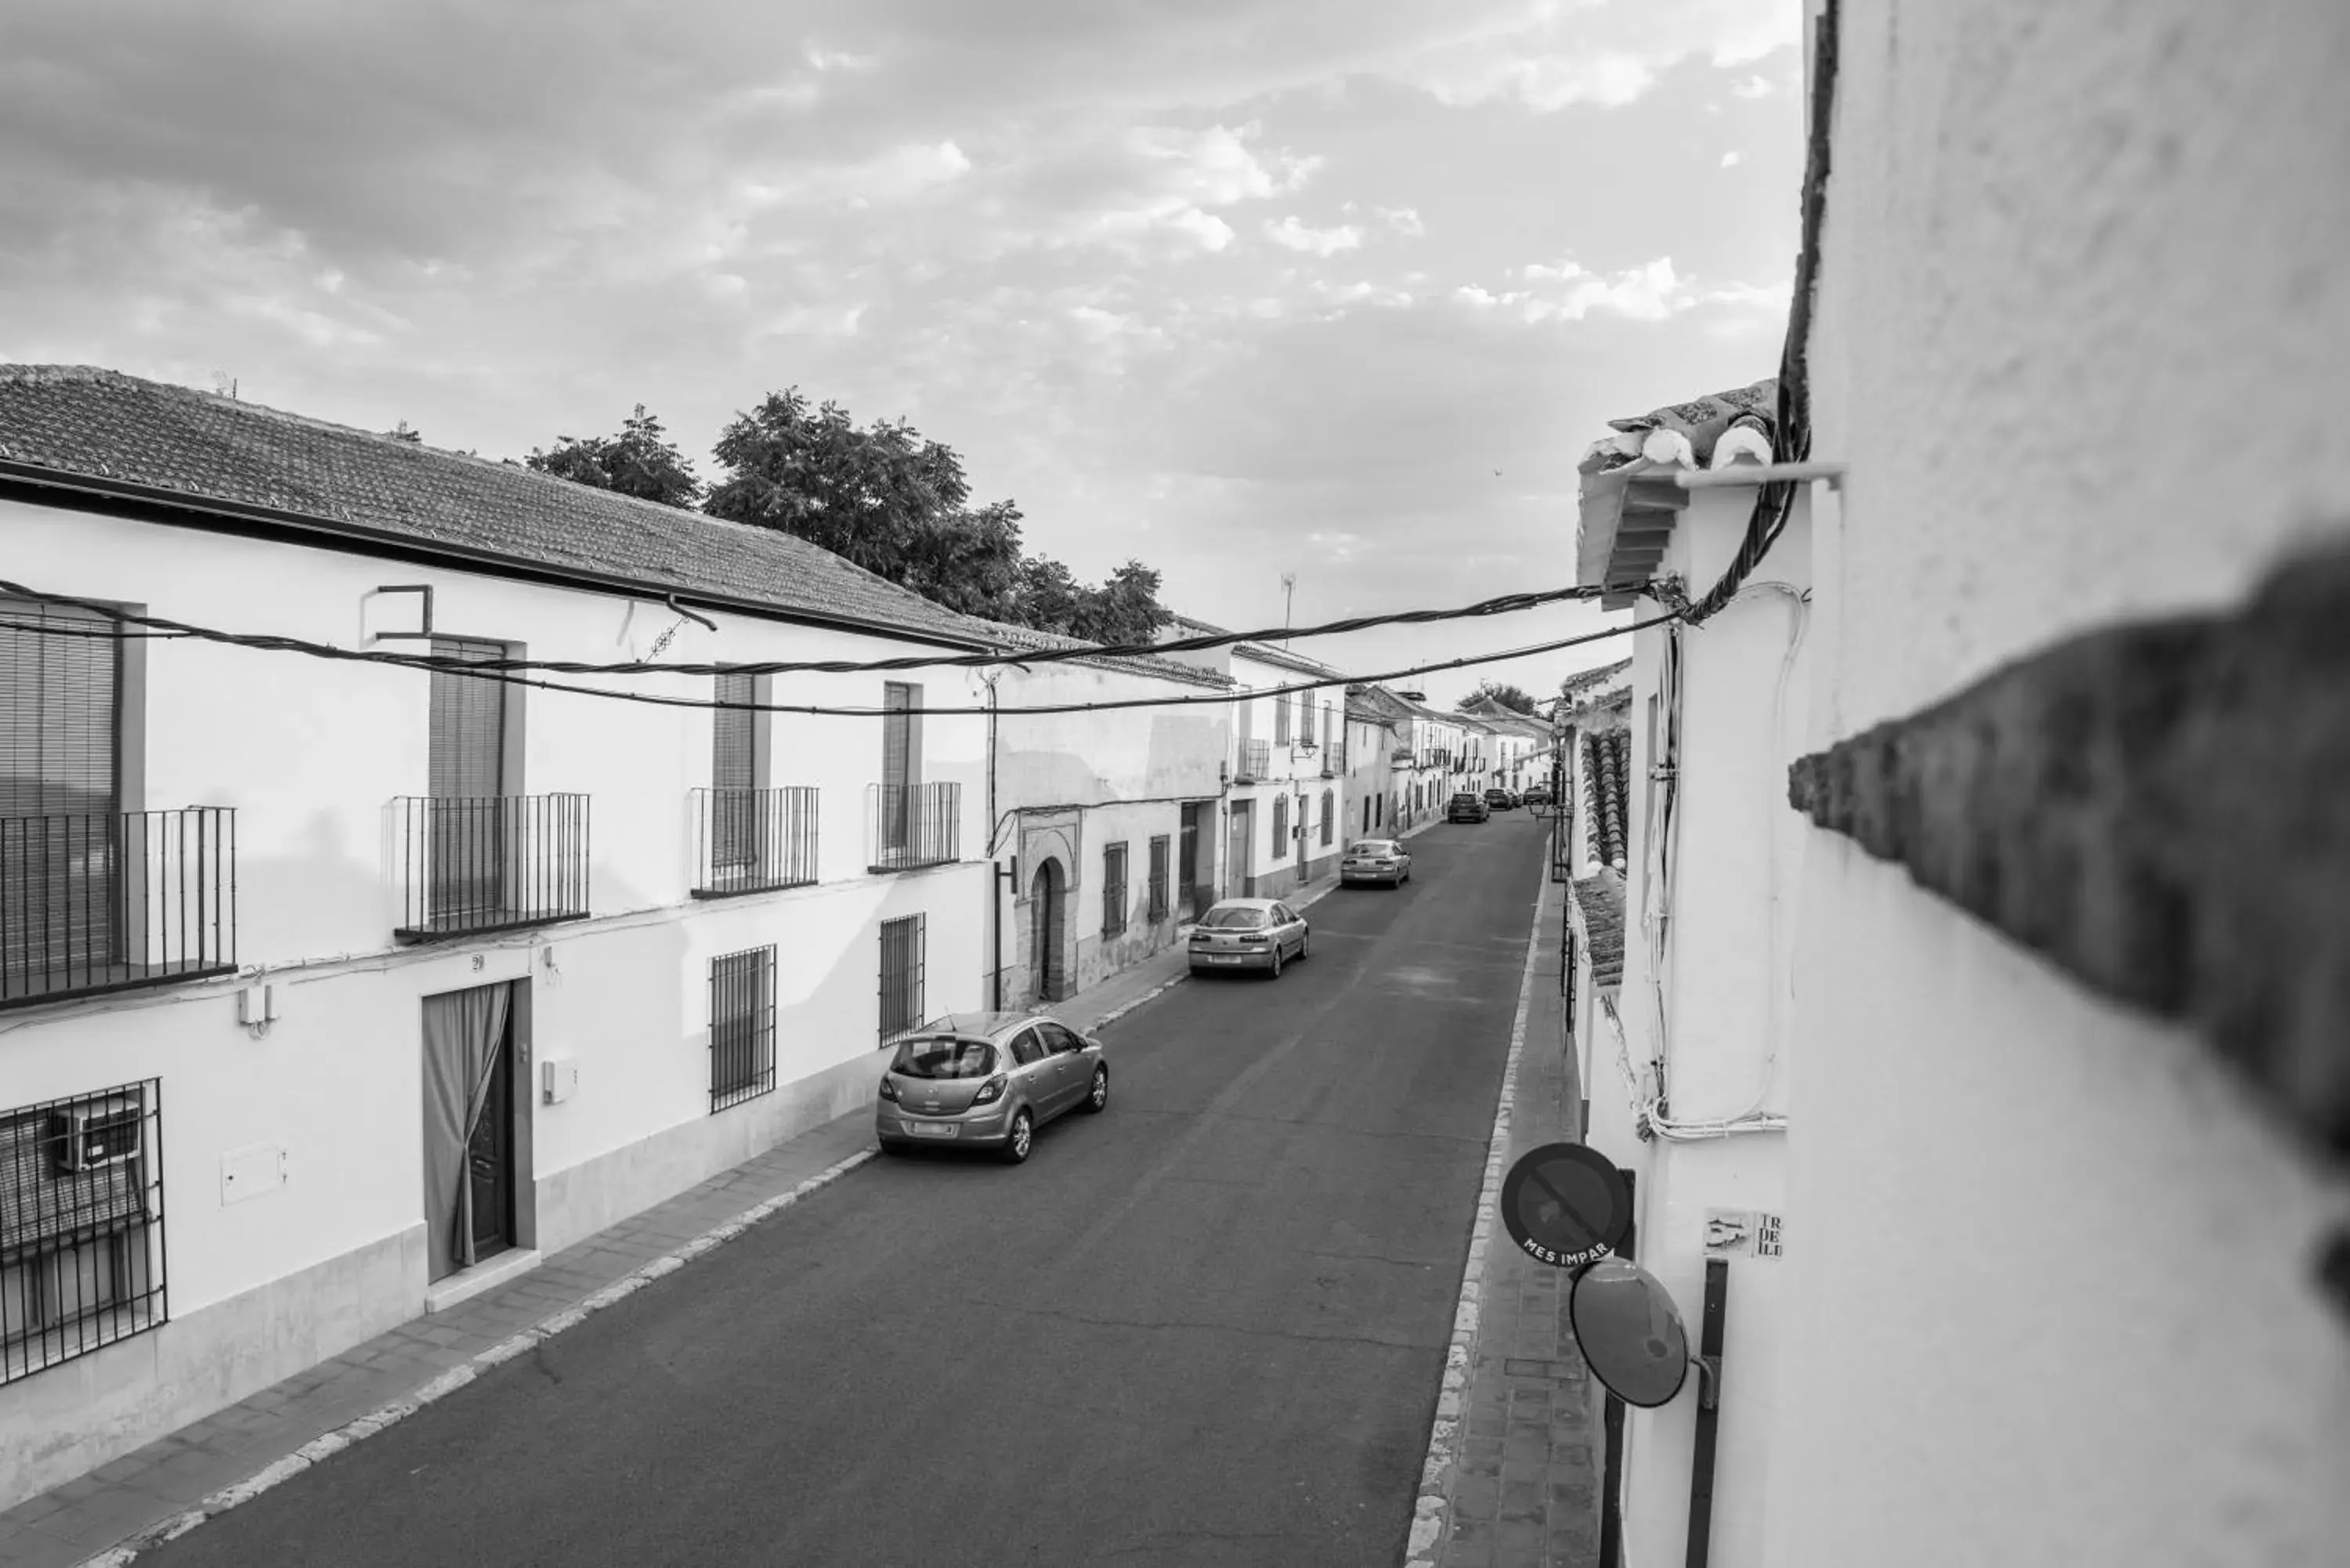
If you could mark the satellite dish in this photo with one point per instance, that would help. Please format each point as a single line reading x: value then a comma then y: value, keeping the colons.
x: 1630, y: 1333
x: 1566, y: 1204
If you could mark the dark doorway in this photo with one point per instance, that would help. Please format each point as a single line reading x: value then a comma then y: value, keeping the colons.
x: 1240, y: 865
x: 1047, y: 920
x: 1194, y: 892
x: 469, y: 1127
x: 466, y: 778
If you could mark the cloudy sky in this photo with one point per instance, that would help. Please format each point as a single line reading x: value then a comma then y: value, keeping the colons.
x: 1240, y: 287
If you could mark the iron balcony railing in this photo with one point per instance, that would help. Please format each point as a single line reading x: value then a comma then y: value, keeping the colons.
x: 1255, y: 761
x: 751, y: 840
x: 488, y: 863
x: 909, y: 826
x: 104, y: 901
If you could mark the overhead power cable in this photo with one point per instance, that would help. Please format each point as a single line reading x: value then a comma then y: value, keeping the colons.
x: 488, y: 670
x: 1506, y: 604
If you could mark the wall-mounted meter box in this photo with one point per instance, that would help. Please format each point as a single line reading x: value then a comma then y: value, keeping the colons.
x: 559, y: 1079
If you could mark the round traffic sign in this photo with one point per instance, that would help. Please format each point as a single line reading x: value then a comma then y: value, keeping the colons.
x: 1566, y: 1204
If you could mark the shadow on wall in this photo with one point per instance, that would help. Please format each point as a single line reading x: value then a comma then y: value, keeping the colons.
x: 315, y: 903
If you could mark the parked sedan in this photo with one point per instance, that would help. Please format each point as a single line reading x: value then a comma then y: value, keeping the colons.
x: 1248, y: 933
x: 1501, y: 799
x: 1467, y: 808
x: 986, y: 1080
x: 1538, y: 795
x: 1375, y: 861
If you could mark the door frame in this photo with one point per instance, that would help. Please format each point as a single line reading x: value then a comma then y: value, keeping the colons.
x: 521, y: 1155
x: 1048, y: 924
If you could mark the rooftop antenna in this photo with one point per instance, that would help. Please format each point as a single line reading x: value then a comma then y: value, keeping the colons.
x: 1288, y: 598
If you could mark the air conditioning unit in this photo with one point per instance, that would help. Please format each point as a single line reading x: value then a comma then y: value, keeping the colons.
x: 95, y: 1136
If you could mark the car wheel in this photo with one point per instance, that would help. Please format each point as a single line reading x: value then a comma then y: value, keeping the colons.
x: 1276, y: 961
x: 1024, y: 1136
x: 1305, y: 943
x: 1098, y: 1097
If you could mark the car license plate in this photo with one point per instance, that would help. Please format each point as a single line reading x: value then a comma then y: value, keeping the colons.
x: 932, y: 1129
x: 1224, y: 958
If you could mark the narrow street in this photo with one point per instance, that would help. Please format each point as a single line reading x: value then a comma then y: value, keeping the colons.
x: 1204, y: 1328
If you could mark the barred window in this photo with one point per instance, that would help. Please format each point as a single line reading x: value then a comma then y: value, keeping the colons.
x: 1113, y: 890
x: 1158, y: 856
x: 82, y: 1225
x: 1280, y: 720
x: 1330, y: 815
x: 741, y: 1026
x: 902, y: 943
x: 1280, y: 827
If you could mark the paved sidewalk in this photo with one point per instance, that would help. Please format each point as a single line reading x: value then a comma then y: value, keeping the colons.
x: 1524, y: 1491
x: 215, y: 1463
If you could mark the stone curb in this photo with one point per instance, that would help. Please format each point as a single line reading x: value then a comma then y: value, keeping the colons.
x: 456, y: 1378
x: 1422, y: 1547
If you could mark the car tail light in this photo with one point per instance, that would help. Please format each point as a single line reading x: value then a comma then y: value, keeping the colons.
x: 989, y: 1092
x: 1254, y: 940
x: 888, y: 1089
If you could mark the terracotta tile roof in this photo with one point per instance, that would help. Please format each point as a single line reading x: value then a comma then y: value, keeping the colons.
x: 1600, y: 897
x: 101, y: 423
x: 1139, y: 664
x: 1692, y: 434
x: 1607, y: 794
x: 1580, y: 685
x: 1282, y: 658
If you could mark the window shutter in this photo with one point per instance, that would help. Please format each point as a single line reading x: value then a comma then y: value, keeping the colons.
x: 58, y: 689
x: 467, y: 756
x: 733, y: 763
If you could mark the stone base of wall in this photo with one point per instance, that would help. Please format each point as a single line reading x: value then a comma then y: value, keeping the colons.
x: 68, y: 1420
x: 577, y: 1202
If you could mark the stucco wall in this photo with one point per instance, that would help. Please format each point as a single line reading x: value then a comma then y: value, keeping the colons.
x: 1729, y: 1042
x: 310, y: 751
x: 2082, y: 311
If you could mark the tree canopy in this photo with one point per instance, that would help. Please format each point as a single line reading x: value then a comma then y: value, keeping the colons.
x: 898, y: 504
x: 1513, y: 698
x: 637, y: 462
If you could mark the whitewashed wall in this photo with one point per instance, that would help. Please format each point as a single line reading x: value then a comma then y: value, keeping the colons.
x: 310, y: 751
x: 2052, y: 1293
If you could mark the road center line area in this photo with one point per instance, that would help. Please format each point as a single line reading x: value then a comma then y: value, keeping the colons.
x: 1208, y: 1326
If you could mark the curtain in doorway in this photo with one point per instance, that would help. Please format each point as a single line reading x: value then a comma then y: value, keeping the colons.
x: 464, y: 1031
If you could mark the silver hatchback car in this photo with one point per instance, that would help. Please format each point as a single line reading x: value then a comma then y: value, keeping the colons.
x: 986, y: 1080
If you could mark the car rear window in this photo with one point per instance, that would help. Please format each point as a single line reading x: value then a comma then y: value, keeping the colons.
x: 1373, y: 846
x: 944, y: 1059
x: 1234, y: 920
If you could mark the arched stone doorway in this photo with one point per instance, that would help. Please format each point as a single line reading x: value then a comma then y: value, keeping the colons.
x: 1047, y: 925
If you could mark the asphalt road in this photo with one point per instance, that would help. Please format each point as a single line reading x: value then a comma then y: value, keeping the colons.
x: 1204, y: 1328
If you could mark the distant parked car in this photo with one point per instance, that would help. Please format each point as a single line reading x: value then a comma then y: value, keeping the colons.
x: 1501, y: 799
x: 986, y: 1080
x: 1375, y: 861
x: 1248, y: 933
x: 1538, y: 795
x: 1467, y: 807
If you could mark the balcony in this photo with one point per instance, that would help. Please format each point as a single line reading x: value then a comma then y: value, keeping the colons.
x: 103, y: 901
x: 753, y: 840
x: 1255, y: 761
x: 488, y: 863
x: 909, y: 827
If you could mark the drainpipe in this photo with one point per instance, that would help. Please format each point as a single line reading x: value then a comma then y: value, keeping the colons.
x: 994, y: 870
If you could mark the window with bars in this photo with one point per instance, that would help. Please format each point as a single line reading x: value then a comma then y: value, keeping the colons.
x: 1159, y: 856
x: 902, y: 943
x: 1280, y: 720
x: 1280, y: 827
x: 1329, y: 816
x: 1113, y: 890
x: 82, y: 1225
x: 741, y: 1026
x: 900, y: 822
x: 1305, y: 719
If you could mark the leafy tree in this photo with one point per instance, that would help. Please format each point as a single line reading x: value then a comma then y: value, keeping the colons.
x: 637, y: 462
x: 898, y: 504
x: 1515, y: 699
x: 1124, y: 609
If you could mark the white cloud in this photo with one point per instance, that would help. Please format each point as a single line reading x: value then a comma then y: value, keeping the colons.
x: 823, y: 59
x: 1291, y: 234
x: 1404, y: 220
x: 1752, y: 88
x: 895, y: 176
x: 1733, y: 160
x: 1550, y: 56
x: 1181, y: 174
x: 1654, y: 291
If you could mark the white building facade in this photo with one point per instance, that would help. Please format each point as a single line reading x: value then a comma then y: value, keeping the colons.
x: 395, y: 980
x: 1680, y: 786
x: 1285, y: 813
